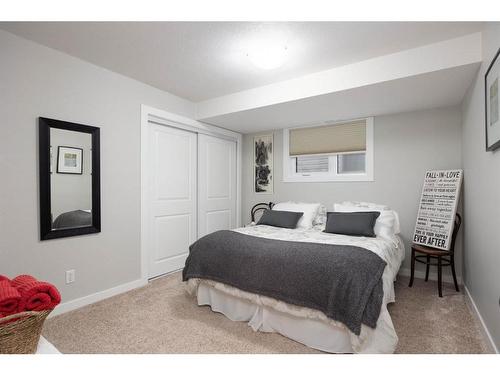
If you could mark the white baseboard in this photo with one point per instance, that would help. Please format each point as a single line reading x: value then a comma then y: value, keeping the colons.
x: 92, y: 298
x: 484, y: 329
x: 419, y: 274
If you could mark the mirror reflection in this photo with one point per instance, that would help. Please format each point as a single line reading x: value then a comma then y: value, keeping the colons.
x: 70, y: 179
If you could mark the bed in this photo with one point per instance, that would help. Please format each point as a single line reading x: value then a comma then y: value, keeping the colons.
x: 312, y: 326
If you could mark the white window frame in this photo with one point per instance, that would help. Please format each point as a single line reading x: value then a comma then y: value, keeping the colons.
x: 289, y: 174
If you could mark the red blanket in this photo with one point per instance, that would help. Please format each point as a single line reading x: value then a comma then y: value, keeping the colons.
x: 9, y: 299
x: 35, y: 295
x: 4, y: 278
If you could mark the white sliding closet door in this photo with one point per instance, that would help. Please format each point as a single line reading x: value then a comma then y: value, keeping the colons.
x: 172, y: 197
x: 216, y: 184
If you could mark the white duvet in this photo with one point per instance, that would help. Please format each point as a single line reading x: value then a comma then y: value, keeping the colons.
x: 390, y: 250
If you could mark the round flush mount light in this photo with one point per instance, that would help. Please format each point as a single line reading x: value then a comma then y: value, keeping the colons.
x: 267, y: 55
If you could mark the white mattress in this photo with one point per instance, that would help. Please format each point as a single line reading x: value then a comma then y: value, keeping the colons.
x: 308, y: 326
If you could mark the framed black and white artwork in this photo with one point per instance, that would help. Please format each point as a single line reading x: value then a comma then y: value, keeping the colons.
x: 69, y: 160
x: 263, y: 163
x: 492, y: 104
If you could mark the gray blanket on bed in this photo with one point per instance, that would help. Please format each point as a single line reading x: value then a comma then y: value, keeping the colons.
x: 344, y: 282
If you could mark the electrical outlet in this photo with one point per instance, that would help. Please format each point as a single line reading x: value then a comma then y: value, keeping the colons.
x: 70, y: 276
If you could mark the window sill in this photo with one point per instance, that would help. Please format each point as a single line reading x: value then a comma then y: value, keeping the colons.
x: 346, y: 178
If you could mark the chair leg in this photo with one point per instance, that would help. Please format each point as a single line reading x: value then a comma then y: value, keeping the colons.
x: 452, y: 261
x: 412, y: 275
x: 427, y: 268
x: 440, y: 281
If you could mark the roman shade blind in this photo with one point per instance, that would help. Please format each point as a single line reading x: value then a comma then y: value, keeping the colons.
x: 329, y: 139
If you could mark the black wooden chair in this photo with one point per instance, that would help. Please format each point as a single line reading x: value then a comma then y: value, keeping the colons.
x: 260, y: 207
x: 444, y: 258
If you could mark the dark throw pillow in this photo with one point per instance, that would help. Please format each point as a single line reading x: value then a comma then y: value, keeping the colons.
x: 281, y: 219
x: 352, y: 223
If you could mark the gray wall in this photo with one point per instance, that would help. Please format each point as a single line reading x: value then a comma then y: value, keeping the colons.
x: 482, y: 198
x: 38, y: 81
x: 69, y: 192
x: 406, y: 145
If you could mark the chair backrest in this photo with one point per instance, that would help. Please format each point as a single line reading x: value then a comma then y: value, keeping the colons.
x: 260, y: 207
x: 456, y: 228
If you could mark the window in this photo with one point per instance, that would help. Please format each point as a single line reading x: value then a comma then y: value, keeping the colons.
x: 312, y: 164
x: 351, y: 163
x: 329, y: 152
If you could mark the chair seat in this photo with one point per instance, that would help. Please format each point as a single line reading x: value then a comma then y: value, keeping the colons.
x: 437, y: 255
x: 429, y: 250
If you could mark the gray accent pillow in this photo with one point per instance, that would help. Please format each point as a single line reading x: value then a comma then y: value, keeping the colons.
x: 352, y: 223
x: 281, y: 219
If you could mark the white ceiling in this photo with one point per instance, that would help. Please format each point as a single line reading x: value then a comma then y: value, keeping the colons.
x: 204, y: 60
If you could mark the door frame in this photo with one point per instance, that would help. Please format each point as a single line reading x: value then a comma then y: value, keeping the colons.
x: 160, y: 117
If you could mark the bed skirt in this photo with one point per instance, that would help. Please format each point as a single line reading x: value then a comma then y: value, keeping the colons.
x: 313, y: 333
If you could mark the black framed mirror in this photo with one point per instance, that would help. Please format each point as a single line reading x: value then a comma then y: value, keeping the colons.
x: 69, y: 177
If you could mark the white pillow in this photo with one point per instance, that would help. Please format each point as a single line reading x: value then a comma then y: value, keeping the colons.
x: 372, y: 206
x: 310, y: 211
x: 397, y: 225
x: 320, y: 218
x: 387, y: 224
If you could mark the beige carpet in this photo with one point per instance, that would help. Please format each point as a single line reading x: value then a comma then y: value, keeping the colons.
x: 162, y: 318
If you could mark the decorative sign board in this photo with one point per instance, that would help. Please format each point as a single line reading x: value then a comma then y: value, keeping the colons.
x: 438, y: 206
